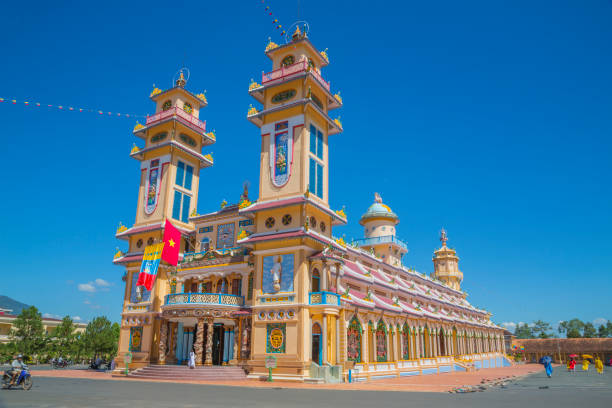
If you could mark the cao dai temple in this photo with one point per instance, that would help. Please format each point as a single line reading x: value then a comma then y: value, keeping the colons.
x: 266, y: 277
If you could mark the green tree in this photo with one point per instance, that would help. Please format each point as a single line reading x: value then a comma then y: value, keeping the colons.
x: 64, y: 337
x: 602, y: 331
x: 589, y: 330
x: 523, y: 331
x: 572, y: 328
x: 28, y: 332
x: 541, y: 329
x: 100, y: 337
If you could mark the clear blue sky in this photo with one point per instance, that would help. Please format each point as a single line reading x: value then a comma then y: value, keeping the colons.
x: 492, y: 119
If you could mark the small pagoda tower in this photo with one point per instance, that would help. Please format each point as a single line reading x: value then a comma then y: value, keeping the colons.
x: 379, y: 223
x: 446, y: 264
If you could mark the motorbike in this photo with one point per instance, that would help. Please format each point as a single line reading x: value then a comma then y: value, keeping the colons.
x: 60, y: 364
x: 24, y: 380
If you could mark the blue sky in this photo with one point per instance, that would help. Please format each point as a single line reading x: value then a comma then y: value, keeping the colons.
x: 491, y: 119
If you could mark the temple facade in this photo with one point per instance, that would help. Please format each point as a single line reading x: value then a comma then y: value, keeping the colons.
x: 266, y: 277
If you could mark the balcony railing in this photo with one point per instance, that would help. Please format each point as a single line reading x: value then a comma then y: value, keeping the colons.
x: 324, y: 298
x: 297, y: 68
x: 181, y: 115
x: 380, y: 240
x: 222, y: 299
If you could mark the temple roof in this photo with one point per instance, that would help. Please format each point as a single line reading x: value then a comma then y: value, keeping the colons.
x: 379, y: 210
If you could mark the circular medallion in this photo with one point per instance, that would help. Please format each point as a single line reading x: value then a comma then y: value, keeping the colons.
x: 276, y: 338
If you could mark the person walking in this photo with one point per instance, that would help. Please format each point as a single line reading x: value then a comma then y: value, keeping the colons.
x: 547, y: 361
x: 599, y: 365
x: 571, y: 365
x: 585, y: 364
x: 191, y: 359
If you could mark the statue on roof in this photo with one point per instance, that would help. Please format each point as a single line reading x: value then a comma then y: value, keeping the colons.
x: 443, y: 237
x: 377, y: 198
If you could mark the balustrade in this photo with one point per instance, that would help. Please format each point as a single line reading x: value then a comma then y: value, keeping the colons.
x: 204, y: 299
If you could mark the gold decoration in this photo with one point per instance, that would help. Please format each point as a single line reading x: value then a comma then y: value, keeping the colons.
x: 155, y: 91
x: 121, y: 228
x: 337, y: 122
x: 118, y: 254
x: 341, y: 213
x: 271, y: 45
x: 223, y: 204
x: 340, y: 241
x: 209, y: 157
x: 202, y: 97
x: 135, y: 149
x: 212, y: 135
x: 243, y: 234
x: 253, y: 85
x: 324, y: 55
x: 345, y: 295
x: 194, y: 213
x: 252, y: 110
x: 338, y: 97
x: 244, y: 204
x: 138, y: 126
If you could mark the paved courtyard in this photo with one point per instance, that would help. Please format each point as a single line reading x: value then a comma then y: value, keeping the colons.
x: 563, y: 390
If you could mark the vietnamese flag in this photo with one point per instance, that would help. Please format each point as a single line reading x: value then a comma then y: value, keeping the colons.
x: 172, y: 244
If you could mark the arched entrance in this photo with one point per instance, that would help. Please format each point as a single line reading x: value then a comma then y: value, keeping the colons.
x: 455, y: 348
x: 315, y: 284
x: 426, y: 342
x: 317, y: 344
x: 442, y: 343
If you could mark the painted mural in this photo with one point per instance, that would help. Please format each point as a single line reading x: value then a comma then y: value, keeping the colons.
x: 283, y: 149
x: 139, y: 293
x: 381, y: 342
x: 152, y: 187
x: 225, y: 236
x: 278, y: 273
x: 276, y: 337
x: 353, y: 337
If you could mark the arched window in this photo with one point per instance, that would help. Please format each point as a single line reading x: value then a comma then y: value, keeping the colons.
x: 204, y: 244
x: 317, y: 344
x: 406, y: 342
x: 167, y: 105
x: 288, y: 60
x: 222, y: 286
x: 381, y: 341
x: 316, y: 280
x: 353, y: 340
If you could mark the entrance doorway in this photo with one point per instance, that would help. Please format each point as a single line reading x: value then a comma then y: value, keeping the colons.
x: 317, y: 354
x: 217, y: 345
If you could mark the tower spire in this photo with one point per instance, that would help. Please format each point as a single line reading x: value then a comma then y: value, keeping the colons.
x: 443, y: 237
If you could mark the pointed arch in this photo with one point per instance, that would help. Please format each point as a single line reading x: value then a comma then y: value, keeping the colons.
x: 426, y: 342
x: 406, y: 342
x: 381, y: 341
x: 354, y: 336
x: 454, y: 342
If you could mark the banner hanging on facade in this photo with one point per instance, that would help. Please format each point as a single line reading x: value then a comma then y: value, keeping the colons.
x: 150, y: 264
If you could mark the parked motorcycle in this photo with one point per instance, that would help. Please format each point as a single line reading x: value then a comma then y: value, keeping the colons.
x: 24, y: 380
x: 59, y: 364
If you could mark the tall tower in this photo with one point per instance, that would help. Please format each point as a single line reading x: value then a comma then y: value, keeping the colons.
x: 292, y: 218
x: 170, y: 164
x: 446, y: 264
x: 379, y: 223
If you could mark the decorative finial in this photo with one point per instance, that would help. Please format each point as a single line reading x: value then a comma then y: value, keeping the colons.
x: 443, y: 237
x: 297, y: 34
x: 181, y: 81
x: 377, y: 198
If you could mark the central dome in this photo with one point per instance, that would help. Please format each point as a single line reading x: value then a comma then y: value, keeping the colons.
x: 378, y: 210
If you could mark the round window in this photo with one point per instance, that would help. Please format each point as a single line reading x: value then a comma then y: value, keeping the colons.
x: 150, y: 241
x: 322, y: 226
x: 286, y: 219
x: 270, y: 222
x: 167, y: 105
x: 313, y: 222
x: 139, y: 243
x: 288, y: 60
x: 187, y: 108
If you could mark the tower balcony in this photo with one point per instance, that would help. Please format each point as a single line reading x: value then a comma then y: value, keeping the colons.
x: 212, y: 299
x: 324, y: 298
x: 178, y: 114
x: 386, y: 239
x: 290, y: 71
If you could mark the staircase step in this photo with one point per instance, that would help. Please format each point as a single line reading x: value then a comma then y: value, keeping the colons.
x: 180, y: 372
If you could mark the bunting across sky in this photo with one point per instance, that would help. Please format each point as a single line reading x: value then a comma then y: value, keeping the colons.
x: 275, y: 20
x: 70, y: 108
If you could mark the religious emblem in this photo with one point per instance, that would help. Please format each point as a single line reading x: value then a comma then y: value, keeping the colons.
x: 276, y: 338
x: 135, y: 338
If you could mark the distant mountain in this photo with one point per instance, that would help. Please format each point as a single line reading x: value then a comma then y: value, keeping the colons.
x: 8, y: 303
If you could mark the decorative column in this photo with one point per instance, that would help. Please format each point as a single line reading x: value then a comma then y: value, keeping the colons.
x: 324, y: 277
x: 365, y: 352
x: 199, y: 345
x: 172, y: 354
x: 209, y: 340
x: 324, y: 336
x: 338, y: 266
x: 163, y: 339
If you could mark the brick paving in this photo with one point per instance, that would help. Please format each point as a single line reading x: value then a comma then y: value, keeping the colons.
x: 424, y: 383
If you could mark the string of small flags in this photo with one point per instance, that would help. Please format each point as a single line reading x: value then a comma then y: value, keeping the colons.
x: 274, y: 21
x: 70, y: 108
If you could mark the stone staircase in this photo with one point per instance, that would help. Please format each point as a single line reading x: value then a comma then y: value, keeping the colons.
x: 180, y: 372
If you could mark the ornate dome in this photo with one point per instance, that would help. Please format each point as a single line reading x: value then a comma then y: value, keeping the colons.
x: 378, y: 210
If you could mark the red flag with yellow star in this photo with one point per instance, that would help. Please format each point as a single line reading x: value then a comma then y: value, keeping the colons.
x: 172, y: 243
